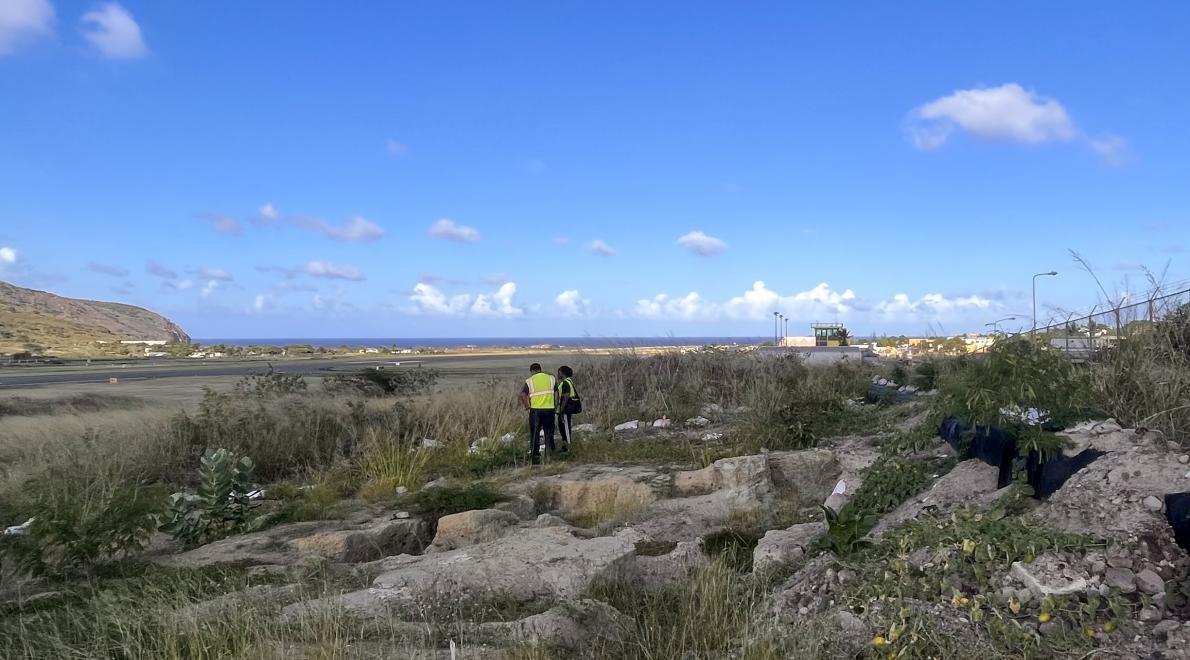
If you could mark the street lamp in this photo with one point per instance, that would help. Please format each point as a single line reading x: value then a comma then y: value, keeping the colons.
x: 780, y: 324
x: 775, y: 330
x: 995, y: 325
x: 786, y: 333
x: 1051, y: 273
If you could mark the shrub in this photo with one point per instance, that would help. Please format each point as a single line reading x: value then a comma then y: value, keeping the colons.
x: 270, y: 384
x: 381, y: 382
x: 220, y: 507
x: 82, y: 516
x: 433, y: 503
x: 387, y: 463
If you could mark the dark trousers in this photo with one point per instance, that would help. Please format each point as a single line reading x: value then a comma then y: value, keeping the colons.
x: 564, y: 428
x: 541, y: 419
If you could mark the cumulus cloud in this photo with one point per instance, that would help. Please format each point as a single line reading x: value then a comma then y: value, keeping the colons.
x: 448, y: 230
x: 572, y: 304
x: 332, y: 271
x: 157, y: 270
x: 224, y: 224
x: 261, y: 303
x: 701, y: 244
x: 356, y: 229
x: 212, y: 273
x: 113, y: 32
x: 426, y: 299
x: 1008, y: 113
x: 209, y: 288
x: 8, y: 256
x: 602, y: 249
x: 269, y: 212
x: 931, y: 305
x: 105, y: 269
x: 24, y: 21
x: 757, y: 303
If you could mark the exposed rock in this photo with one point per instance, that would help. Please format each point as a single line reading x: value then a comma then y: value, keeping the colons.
x: 698, y: 422
x: 651, y: 572
x: 1149, y: 582
x: 712, y: 409
x: 855, y: 455
x: 971, y: 483
x: 711, y: 436
x: 336, y: 540
x: 627, y: 426
x: 229, y: 604
x: 662, y: 423
x: 585, y: 428
x: 550, y: 520
x: 1043, y: 577
x: 747, y: 476
x: 571, y: 627
x: 359, y: 545
x: 1120, y: 578
x: 533, y: 565
x: 430, y: 443
x: 471, y: 527
x: 522, y: 506
x: 808, y: 475
x: 785, y: 546
x: 1149, y: 614
x: 1153, y: 503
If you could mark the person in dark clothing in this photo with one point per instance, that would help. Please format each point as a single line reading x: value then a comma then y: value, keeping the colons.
x: 569, y: 404
x: 537, y: 396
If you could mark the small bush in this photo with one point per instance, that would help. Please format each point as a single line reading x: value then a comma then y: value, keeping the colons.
x: 388, y: 463
x: 82, y: 517
x: 384, y: 382
x: 220, y: 507
x: 433, y: 503
x: 270, y: 384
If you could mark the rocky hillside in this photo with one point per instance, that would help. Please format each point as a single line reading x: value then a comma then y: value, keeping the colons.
x: 42, y: 322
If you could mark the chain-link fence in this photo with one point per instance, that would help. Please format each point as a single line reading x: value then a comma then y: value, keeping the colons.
x: 1085, y: 337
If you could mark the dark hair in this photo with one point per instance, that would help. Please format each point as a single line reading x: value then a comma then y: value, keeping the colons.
x: 535, y: 367
x: 566, y: 371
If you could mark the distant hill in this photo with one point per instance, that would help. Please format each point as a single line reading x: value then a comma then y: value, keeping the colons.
x: 44, y: 323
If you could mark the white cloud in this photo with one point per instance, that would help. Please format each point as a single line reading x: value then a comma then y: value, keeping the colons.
x: 8, y: 255
x: 757, y: 303
x: 333, y: 271
x: 448, y: 230
x: 224, y: 224
x: 429, y: 300
x: 113, y: 32
x: 209, y: 288
x: 602, y: 249
x: 212, y: 273
x: 496, y: 279
x: 931, y: 305
x: 1111, y: 149
x: 701, y: 244
x: 262, y: 303
x: 23, y: 21
x: 269, y: 212
x: 356, y: 229
x: 1008, y: 113
x: 395, y: 148
x: 572, y: 304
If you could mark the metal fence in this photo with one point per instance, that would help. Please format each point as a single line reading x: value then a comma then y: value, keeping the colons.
x: 1083, y: 337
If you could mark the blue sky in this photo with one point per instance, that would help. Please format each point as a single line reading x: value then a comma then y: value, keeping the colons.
x: 615, y: 169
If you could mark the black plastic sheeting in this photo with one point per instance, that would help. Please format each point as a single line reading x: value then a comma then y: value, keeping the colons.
x: 1177, y: 511
x: 998, y: 447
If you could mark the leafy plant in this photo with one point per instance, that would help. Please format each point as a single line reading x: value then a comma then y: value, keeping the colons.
x: 441, y: 501
x: 845, y: 529
x: 272, y: 383
x: 82, y: 518
x: 220, y: 507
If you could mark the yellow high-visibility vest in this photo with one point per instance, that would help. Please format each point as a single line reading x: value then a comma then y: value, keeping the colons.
x: 541, y: 391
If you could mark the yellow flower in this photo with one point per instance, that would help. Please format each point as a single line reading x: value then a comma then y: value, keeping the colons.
x: 964, y: 600
x: 1109, y: 626
x: 968, y: 546
x: 878, y: 641
x: 1014, y: 606
x: 1044, y: 616
x: 1090, y: 632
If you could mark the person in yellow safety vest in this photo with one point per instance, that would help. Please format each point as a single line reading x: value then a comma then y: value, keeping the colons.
x: 537, y: 396
x: 569, y: 404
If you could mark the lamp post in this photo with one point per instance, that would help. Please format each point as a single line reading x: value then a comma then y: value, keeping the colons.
x: 1033, y: 332
x: 995, y: 325
x: 775, y: 331
x: 786, y: 333
x: 780, y: 323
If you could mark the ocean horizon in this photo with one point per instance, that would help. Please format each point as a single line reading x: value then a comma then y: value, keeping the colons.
x: 479, y: 342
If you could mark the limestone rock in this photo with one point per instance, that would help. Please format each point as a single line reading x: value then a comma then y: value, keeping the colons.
x: 571, y: 627
x: 1120, y: 578
x: 651, y: 572
x: 627, y: 426
x: 662, y: 423
x: 471, y: 527
x: 585, y: 428
x: 971, y: 483
x: 1149, y: 582
x: 522, y: 506
x: 533, y: 565
x: 698, y: 422
x: 785, y: 546
x: 1042, y: 578
x: 359, y: 545
x: 808, y: 475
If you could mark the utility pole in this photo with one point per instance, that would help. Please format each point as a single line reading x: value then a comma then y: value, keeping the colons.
x: 775, y: 331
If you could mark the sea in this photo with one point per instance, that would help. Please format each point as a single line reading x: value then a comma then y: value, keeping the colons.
x: 483, y: 342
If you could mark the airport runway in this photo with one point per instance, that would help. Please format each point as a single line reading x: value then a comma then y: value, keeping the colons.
x: 450, y: 365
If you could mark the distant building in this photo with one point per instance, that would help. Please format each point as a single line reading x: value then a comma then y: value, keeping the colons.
x: 145, y: 342
x: 797, y: 341
x: 828, y: 334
